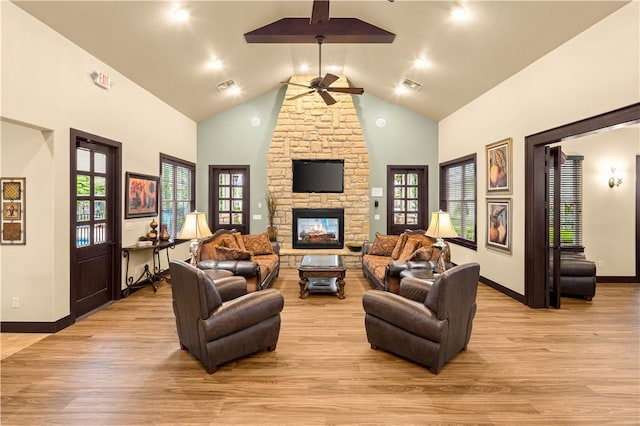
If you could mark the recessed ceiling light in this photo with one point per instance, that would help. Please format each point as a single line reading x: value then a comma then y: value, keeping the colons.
x: 181, y: 14
x: 460, y: 13
x: 215, y: 64
x: 400, y: 90
x: 235, y: 90
x: 420, y: 63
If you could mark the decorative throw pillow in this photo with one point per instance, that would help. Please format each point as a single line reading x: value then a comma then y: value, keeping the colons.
x: 383, y: 245
x: 423, y: 254
x: 409, y: 248
x: 257, y: 244
x: 395, y: 254
x: 239, y: 241
x: 226, y: 253
x: 230, y: 242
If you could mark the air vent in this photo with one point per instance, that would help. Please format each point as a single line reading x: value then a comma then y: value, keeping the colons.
x: 413, y: 85
x: 229, y: 84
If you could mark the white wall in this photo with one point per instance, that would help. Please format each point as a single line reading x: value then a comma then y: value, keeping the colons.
x: 46, y: 85
x: 595, y: 72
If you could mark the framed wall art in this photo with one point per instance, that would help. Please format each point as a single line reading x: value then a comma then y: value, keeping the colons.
x: 13, y: 219
x: 499, y: 230
x: 141, y: 195
x: 499, y: 166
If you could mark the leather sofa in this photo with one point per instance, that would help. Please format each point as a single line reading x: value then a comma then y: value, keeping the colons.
x: 577, y: 276
x: 216, y: 332
x: 428, y: 322
x: 253, y: 257
x: 388, y: 255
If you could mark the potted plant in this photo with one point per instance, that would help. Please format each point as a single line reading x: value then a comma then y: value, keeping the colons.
x: 272, y: 203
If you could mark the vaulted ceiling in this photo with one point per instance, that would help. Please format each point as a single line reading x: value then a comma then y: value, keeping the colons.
x: 460, y: 59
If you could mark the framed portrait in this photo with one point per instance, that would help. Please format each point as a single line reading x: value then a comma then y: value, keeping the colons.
x: 499, y: 230
x: 141, y: 195
x: 13, y: 202
x: 499, y: 164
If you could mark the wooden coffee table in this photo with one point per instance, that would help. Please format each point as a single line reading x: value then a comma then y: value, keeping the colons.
x: 321, y: 273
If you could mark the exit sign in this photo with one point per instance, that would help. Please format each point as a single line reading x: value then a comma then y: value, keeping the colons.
x: 101, y: 79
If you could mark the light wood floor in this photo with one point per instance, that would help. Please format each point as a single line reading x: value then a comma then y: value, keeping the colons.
x: 123, y: 366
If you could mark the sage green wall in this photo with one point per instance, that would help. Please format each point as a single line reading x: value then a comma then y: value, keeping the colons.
x: 229, y: 138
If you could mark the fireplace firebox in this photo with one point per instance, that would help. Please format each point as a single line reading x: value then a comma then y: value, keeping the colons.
x: 318, y: 228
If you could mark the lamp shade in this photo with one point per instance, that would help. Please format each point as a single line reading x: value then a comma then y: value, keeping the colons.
x: 195, y: 227
x: 440, y: 226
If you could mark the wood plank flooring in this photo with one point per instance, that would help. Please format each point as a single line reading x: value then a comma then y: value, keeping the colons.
x: 123, y: 366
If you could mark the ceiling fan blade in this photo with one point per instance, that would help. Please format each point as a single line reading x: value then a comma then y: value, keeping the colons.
x: 327, y: 80
x: 320, y: 12
x: 328, y: 99
x: 352, y: 90
x: 301, y: 95
x: 295, y: 84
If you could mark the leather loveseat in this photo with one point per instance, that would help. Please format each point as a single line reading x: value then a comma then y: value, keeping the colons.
x: 388, y: 255
x: 253, y: 257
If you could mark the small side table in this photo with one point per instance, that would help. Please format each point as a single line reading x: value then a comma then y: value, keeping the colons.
x: 148, y: 276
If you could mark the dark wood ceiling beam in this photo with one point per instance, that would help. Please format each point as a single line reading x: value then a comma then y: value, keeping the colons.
x: 336, y: 30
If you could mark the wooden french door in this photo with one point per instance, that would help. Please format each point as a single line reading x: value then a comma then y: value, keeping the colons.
x: 229, y: 198
x: 407, y: 198
x: 95, y: 221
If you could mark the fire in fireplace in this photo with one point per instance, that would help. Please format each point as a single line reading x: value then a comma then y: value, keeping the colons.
x: 318, y: 228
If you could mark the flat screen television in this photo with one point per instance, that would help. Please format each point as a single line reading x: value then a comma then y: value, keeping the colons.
x: 318, y: 175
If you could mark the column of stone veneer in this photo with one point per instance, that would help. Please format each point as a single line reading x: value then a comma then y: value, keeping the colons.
x: 309, y: 129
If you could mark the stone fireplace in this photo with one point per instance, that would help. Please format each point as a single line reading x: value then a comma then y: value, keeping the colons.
x: 309, y: 129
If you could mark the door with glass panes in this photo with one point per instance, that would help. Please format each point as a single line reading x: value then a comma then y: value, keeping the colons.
x: 407, y: 195
x: 229, y: 198
x: 95, y: 219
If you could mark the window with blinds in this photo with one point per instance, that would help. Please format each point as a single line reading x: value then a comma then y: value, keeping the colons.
x: 458, y: 198
x: 177, y: 179
x: 570, y: 202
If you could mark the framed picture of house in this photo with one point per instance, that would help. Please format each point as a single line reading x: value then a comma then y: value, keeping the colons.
x: 499, y: 166
x: 13, y: 202
x: 141, y: 195
x: 499, y: 229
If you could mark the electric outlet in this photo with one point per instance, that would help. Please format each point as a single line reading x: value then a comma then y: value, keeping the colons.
x: 15, y: 302
x: 600, y: 263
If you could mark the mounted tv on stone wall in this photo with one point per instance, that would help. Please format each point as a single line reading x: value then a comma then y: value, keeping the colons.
x: 318, y: 176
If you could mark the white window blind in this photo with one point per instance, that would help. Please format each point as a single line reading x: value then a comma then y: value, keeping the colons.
x: 570, y: 201
x: 458, y: 197
x: 178, y: 192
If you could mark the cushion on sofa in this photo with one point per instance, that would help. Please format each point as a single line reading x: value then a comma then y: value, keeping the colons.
x: 239, y: 241
x: 409, y: 249
x: 267, y: 263
x: 383, y: 245
x: 377, y: 264
x: 226, y: 253
x: 425, y: 254
x: 257, y: 244
x: 397, y: 250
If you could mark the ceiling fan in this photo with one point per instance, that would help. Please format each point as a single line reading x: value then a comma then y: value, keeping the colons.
x: 322, y: 85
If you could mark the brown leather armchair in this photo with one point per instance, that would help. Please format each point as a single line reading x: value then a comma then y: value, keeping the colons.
x: 216, y: 332
x: 427, y: 322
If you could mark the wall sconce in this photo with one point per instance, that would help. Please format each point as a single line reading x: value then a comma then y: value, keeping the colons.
x: 613, y: 180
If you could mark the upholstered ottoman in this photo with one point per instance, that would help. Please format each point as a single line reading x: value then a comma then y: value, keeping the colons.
x: 578, y: 278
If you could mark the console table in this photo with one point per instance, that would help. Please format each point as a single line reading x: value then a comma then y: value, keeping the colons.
x: 148, y: 276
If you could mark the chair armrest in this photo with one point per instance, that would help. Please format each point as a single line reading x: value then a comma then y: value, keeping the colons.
x: 405, y: 314
x: 394, y: 268
x: 231, y: 287
x: 275, y: 246
x: 245, y: 268
x: 415, y: 288
x: 241, y: 313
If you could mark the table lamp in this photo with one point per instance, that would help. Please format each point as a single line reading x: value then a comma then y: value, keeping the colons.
x: 195, y: 228
x: 439, y: 228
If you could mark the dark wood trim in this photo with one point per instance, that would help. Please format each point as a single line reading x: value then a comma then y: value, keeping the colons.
x: 637, y: 218
x: 212, y: 189
x: 535, y: 257
x: 75, y: 134
x: 37, y: 327
x: 617, y: 279
x: 423, y: 203
x: 502, y: 289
